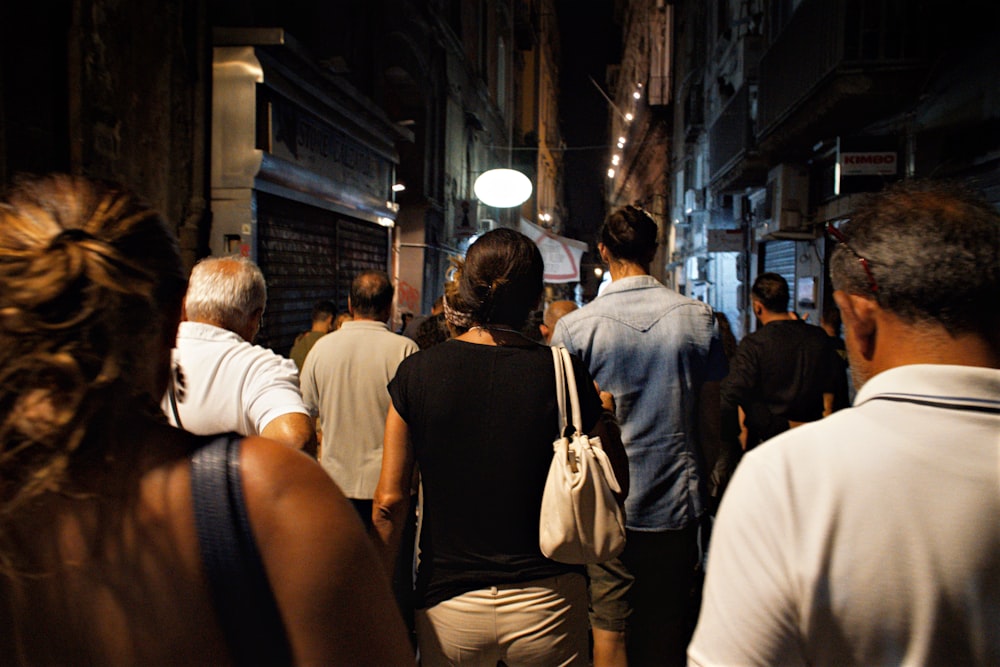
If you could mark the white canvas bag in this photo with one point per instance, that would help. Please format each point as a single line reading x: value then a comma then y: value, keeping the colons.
x: 581, y: 521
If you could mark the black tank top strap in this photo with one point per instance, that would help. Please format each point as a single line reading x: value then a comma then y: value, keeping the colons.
x: 241, y: 592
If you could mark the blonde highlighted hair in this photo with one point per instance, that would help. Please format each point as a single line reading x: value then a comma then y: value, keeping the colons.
x: 90, y: 277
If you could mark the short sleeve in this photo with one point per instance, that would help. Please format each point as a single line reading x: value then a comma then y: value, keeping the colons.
x: 398, y: 388
x: 560, y: 336
x: 749, y: 615
x: 307, y: 384
x: 742, y: 374
x: 273, y: 392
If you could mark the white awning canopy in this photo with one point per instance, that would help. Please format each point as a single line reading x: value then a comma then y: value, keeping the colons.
x: 562, y: 255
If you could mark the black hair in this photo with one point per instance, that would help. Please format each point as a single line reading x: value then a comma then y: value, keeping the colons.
x: 323, y: 309
x: 432, y: 331
x: 630, y: 234
x: 501, y: 279
x: 771, y: 289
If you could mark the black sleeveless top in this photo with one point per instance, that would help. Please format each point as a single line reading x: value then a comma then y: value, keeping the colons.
x: 482, y: 420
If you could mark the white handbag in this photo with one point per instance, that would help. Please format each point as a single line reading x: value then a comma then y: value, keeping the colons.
x: 581, y: 520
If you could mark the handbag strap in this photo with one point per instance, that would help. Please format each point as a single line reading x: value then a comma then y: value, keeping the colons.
x: 574, y: 395
x: 241, y: 592
x: 565, y: 376
x: 564, y: 418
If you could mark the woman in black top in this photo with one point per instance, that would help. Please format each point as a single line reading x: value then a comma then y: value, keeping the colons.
x: 477, y: 414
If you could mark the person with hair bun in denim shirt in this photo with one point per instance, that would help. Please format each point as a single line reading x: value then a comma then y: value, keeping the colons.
x: 660, y: 355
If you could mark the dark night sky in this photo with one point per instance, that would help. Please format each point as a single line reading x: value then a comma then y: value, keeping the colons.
x: 590, y: 41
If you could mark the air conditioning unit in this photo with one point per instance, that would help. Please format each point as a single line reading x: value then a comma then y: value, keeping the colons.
x: 782, y: 213
x: 694, y: 200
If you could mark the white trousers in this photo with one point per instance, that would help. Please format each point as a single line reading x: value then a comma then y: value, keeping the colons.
x: 542, y: 622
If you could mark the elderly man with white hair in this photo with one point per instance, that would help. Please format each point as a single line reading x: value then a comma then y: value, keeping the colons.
x: 222, y: 381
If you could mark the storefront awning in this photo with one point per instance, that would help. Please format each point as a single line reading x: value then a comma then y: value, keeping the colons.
x: 562, y: 255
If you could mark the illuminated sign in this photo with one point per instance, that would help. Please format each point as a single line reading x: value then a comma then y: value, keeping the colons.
x: 873, y: 163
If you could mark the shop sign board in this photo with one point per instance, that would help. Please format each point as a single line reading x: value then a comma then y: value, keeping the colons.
x: 869, y: 163
x: 725, y: 240
x: 303, y: 138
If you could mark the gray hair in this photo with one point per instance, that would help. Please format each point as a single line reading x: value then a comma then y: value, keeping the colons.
x: 225, y: 290
x: 933, y: 250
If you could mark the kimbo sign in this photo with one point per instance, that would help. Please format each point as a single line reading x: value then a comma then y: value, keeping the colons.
x: 871, y: 163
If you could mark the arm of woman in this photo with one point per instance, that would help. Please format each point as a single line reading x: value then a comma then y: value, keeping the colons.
x: 335, y: 601
x: 391, y: 500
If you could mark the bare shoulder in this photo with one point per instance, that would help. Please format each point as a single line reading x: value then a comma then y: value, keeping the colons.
x: 322, y: 566
x: 285, y: 489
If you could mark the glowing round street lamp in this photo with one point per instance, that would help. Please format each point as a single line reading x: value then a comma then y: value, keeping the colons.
x: 502, y: 188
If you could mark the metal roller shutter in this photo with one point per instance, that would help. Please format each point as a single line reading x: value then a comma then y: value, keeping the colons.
x: 779, y: 257
x: 307, y: 254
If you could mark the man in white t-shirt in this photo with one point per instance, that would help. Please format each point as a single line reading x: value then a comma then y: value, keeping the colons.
x: 222, y: 381
x: 872, y: 537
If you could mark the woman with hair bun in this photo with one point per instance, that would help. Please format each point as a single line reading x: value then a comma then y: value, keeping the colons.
x: 101, y: 555
x: 477, y: 415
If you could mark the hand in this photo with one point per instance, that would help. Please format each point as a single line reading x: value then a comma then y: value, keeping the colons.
x: 607, y: 399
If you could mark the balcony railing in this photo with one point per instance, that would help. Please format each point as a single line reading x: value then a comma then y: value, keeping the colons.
x: 830, y: 39
x: 730, y: 135
x: 733, y: 159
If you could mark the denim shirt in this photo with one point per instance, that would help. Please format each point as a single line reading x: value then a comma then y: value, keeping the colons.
x: 652, y: 348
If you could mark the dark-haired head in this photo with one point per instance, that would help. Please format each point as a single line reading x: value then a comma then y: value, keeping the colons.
x: 500, y: 280
x: 322, y: 310
x: 933, y: 250
x: 629, y: 234
x: 771, y: 291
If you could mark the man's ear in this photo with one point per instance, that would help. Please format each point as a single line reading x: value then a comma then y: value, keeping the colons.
x: 858, y: 314
x: 253, y: 324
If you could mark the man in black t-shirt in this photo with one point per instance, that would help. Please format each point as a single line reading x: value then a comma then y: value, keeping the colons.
x: 782, y: 375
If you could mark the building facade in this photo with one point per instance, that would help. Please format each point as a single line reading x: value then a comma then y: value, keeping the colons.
x: 114, y: 90
x: 319, y: 139
x: 783, y: 112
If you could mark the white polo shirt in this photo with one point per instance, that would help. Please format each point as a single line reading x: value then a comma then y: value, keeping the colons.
x: 870, y: 537
x: 230, y: 384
